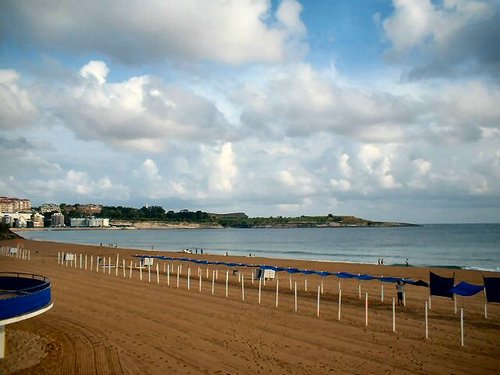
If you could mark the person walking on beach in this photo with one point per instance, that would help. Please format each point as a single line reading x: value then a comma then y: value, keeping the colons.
x: 401, y: 289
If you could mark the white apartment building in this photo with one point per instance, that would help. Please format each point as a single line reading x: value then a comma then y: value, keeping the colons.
x: 57, y: 220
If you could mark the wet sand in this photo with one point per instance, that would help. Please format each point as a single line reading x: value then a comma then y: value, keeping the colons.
x: 107, y: 324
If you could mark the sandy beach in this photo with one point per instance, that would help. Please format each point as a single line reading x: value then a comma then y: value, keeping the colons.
x: 102, y: 323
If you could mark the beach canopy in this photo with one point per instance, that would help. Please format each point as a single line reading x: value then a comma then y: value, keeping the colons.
x: 492, y: 287
x: 419, y: 283
x: 341, y: 275
x: 440, y: 286
x: 466, y: 289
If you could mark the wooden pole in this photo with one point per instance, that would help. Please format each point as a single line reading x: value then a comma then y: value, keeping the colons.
x: 124, y: 268
x: 213, y: 282
x: 322, y: 291
x: 290, y: 281
x: 485, y: 304
x: 157, y: 274
x: 178, y: 271
x: 366, y: 309
x: 104, y: 265
x: 58, y: 256
x: 109, y: 265
x: 91, y: 261
x: 130, y: 272
x: 188, y: 278
x: 81, y: 261
x: 393, y: 315
x: 462, y: 326
x: 149, y: 273
x: 317, y: 306
x: 426, y: 321
x: 168, y: 274
x: 382, y: 293
x: 340, y: 301
x: 140, y: 271
x: 199, y: 285
x: 295, y: 296
x: 252, y: 276
x: 359, y: 289
x: 305, y: 284
x: 227, y: 283
x: 260, y: 287
x: 243, y: 287
x: 117, y: 263
x: 85, y: 262
x: 277, y: 291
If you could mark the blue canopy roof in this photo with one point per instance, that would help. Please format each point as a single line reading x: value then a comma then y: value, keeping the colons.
x: 341, y: 275
x: 466, y: 289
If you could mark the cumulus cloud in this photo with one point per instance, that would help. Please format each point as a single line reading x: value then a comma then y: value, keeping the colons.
x: 300, y: 100
x: 221, y: 164
x: 234, y: 32
x: 74, y: 184
x: 452, y: 38
x: 16, y: 107
x: 97, y: 69
x: 139, y: 113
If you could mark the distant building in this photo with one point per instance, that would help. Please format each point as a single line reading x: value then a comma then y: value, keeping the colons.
x: 78, y: 222
x: 89, y: 209
x: 14, y: 204
x: 91, y: 222
x: 49, y: 207
x: 36, y: 220
x: 57, y: 220
x: 17, y: 219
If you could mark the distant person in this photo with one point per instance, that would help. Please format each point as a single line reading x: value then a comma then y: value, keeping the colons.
x: 382, y: 261
x: 401, y: 289
x: 406, y: 262
x: 378, y: 261
x: 201, y: 251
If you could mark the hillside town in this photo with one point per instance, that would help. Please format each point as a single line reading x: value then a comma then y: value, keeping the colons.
x: 18, y: 213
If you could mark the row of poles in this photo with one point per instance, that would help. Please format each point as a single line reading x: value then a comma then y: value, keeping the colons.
x: 83, y: 262
x: 16, y: 252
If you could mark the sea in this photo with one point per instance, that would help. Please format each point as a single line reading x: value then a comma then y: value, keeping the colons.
x: 469, y: 246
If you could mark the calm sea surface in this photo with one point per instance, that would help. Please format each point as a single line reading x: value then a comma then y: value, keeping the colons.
x: 474, y: 246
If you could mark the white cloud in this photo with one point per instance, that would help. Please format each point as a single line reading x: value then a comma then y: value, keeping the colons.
x: 220, y: 162
x: 97, y: 69
x: 138, y: 113
x: 449, y: 38
x: 16, y: 107
x: 77, y: 185
x: 234, y: 31
x: 341, y: 185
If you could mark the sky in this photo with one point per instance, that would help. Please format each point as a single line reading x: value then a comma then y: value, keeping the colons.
x: 386, y: 110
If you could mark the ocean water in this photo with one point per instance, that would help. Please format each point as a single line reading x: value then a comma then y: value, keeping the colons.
x: 472, y: 246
